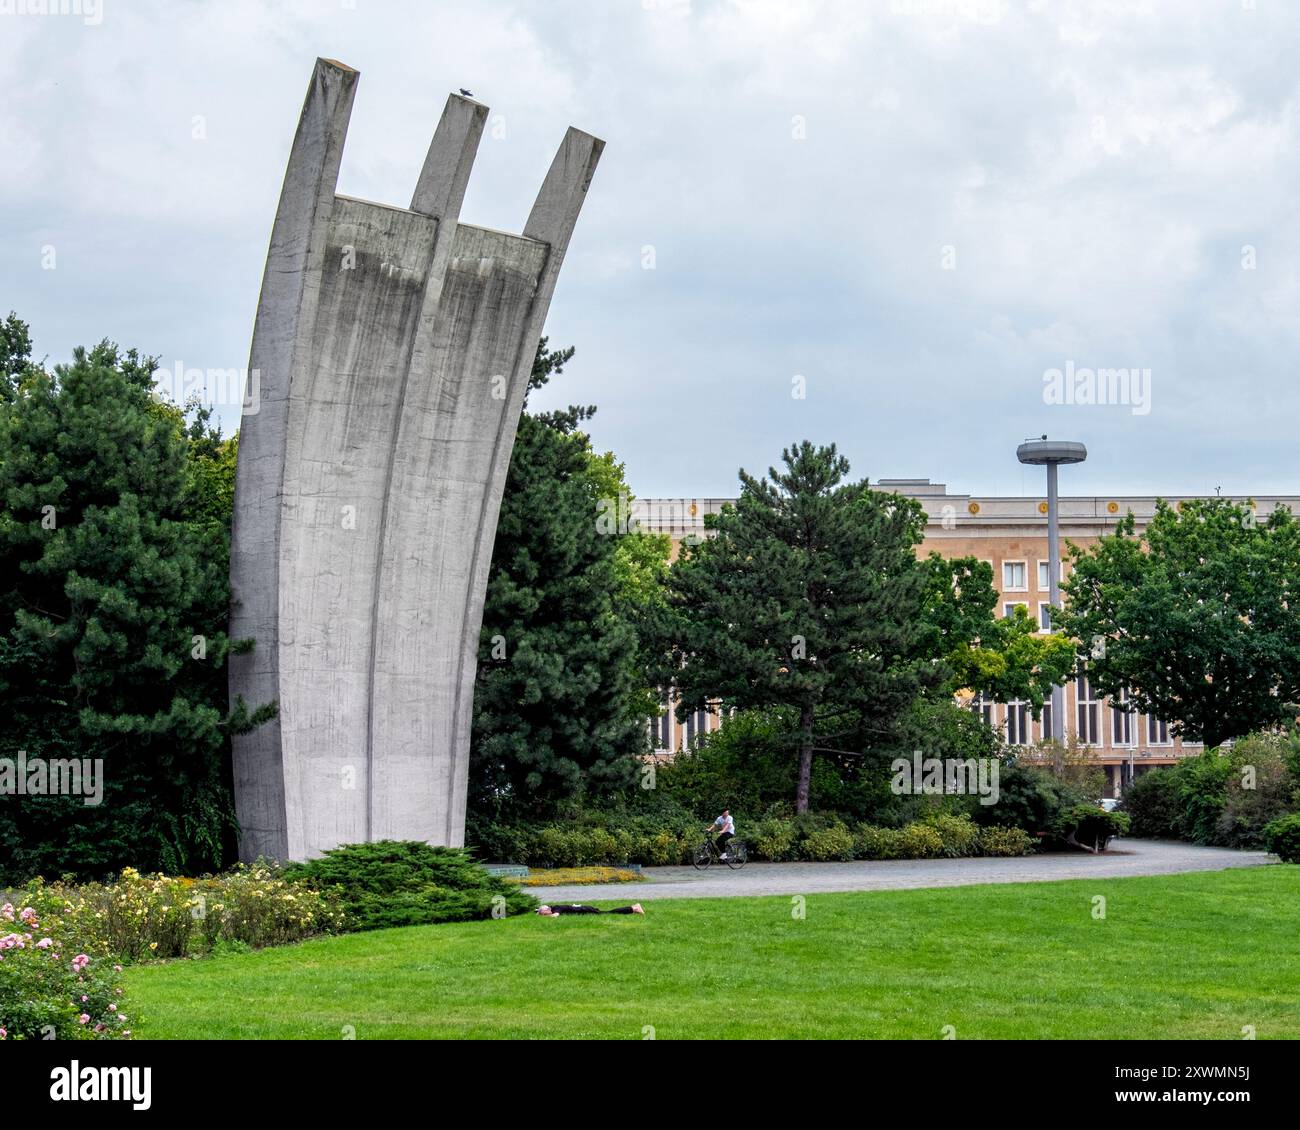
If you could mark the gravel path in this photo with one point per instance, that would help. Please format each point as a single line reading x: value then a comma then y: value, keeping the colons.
x: 1126, y: 857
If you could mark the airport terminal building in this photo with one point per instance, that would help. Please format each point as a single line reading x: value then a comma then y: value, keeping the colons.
x: 1010, y: 533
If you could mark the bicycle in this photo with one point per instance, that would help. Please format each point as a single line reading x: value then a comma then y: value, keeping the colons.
x: 737, y: 854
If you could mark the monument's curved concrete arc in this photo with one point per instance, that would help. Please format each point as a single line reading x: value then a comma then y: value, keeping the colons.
x: 394, y: 348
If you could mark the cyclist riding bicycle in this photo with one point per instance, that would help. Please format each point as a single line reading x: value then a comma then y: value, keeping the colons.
x: 727, y: 828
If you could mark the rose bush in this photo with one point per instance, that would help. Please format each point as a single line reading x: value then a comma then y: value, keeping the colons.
x: 50, y: 988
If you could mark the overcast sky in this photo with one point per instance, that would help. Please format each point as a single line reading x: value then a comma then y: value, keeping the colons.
x: 920, y: 207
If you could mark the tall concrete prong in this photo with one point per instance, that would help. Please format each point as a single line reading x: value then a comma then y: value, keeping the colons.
x: 441, y: 187
x: 400, y: 343
x: 286, y: 314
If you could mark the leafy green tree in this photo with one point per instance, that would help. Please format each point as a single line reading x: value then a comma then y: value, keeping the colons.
x: 113, y: 603
x: 1199, y: 619
x: 560, y: 707
x: 810, y: 597
x: 1005, y: 658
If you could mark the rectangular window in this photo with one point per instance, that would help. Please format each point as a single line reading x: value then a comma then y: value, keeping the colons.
x: 1087, y: 712
x: 1157, y: 731
x: 1044, y: 576
x: 983, y: 707
x: 1018, y: 723
x: 1121, y: 722
x: 1015, y: 576
x: 1045, y: 723
x: 1044, y: 616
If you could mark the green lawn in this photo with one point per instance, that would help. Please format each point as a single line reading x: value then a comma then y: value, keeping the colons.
x: 1186, y: 956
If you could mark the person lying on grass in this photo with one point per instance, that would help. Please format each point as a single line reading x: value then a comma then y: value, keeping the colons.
x: 576, y: 908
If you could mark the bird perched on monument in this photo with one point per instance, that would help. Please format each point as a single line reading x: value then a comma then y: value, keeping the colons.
x: 466, y: 93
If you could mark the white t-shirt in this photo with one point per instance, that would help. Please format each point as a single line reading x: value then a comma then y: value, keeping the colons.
x: 725, y: 824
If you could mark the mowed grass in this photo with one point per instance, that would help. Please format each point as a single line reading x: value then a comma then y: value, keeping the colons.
x: 1196, y: 956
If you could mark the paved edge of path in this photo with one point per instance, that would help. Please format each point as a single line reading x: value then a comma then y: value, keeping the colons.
x: 1126, y: 858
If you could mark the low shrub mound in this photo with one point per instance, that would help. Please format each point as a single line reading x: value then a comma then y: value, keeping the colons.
x: 775, y: 838
x: 1088, y: 827
x: 1282, y: 837
x: 408, y: 883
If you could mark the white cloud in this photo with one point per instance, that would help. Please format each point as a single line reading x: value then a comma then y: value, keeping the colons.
x: 799, y: 169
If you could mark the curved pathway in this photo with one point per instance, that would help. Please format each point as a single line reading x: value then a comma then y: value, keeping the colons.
x: 1125, y: 857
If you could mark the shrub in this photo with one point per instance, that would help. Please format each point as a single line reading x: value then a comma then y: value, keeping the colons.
x: 995, y: 840
x: 555, y: 847
x: 831, y: 843
x: 153, y: 917
x: 772, y: 839
x: 1259, y: 790
x: 50, y: 989
x: 1202, y: 790
x: 1028, y: 797
x: 1283, y: 838
x: 499, y: 843
x: 257, y: 906
x: 597, y: 845
x: 744, y: 765
x: 919, y: 841
x: 1087, y: 825
x: 877, y: 843
x: 409, y: 883
x: 658, y: 849
x: 1151, y: 803
x: 957, y: 834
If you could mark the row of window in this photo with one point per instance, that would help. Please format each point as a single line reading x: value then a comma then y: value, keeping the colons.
x: 1125, y: 729
x: 1015, y: 576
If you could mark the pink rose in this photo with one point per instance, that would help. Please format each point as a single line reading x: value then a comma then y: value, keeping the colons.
x: 45, y: 943
x: 83, y: 1019
x: 80, y: 962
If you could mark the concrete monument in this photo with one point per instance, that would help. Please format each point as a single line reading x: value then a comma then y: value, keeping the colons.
x: 394, y: 348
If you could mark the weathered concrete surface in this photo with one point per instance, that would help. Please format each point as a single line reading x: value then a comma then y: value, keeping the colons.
x: 394, y: 348
x: 1126, y: 858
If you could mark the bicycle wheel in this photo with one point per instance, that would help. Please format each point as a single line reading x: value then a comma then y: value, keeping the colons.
x: 737, y: 855
x: 703, y: 857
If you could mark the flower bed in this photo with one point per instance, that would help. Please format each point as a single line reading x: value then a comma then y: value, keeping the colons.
x: 575, y: 876
x: 50, y: 988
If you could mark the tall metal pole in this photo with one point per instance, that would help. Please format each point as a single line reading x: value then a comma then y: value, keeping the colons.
x: 1042, y: 452
x: 1054, y: 588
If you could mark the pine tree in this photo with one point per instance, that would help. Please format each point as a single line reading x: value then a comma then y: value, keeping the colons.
x: 560, y: 707
x: 113, y: 603
x: 809, y: 597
